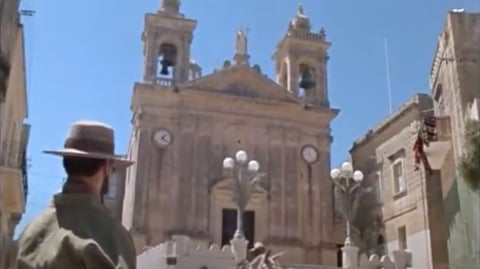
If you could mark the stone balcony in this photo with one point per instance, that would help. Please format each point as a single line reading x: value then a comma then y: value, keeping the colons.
x: 437, y: 151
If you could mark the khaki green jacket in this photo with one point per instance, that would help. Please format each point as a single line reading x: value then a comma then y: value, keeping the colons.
x: 76, y: 231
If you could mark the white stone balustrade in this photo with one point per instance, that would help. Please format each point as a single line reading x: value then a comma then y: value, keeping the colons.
x: 402, y: 259
x: 164, y: 82
x: 180, y: 253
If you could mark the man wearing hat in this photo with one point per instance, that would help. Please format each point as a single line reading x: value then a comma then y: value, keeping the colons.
x: 77, y: 230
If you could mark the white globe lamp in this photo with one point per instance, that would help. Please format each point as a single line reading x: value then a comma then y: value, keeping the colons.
x: 347, y: 167
x: 228, y: 163
x: 253, y: 166
x: 241, y: 156
x: 335, y: 173
x: 358, y: 176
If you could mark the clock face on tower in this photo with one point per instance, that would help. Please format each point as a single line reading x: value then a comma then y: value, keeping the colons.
x: 309, y: 154
x: 162, y: 137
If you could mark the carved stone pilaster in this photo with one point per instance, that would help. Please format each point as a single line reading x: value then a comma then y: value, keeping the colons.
x: 142, y: 182
x: 275, y: 175
x: 290, y: 189
x: 150, y: 60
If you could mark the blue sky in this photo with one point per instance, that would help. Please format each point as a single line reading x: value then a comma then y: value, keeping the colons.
x: 84, y: 56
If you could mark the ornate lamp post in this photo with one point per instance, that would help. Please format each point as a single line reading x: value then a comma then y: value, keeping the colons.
x: 346, y: 182
x: 245, y: 176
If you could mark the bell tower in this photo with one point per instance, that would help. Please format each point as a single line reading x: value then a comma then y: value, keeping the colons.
x: 301, y: 61
x: 167, y: 37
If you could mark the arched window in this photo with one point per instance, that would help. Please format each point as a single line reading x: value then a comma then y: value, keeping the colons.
x: 306, y: 81
x: 167, y: 59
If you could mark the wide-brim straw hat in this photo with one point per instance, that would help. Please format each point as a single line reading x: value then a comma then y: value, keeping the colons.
x: 91, y: 139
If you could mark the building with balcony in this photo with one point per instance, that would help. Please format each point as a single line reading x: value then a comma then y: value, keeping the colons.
x: 14, y: 132
x: 410, y: 200
x: 455, y: 87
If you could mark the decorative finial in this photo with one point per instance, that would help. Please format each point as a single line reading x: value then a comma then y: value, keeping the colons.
x: 300, y: 10
x: 300, y: 21
x: 170, y: 6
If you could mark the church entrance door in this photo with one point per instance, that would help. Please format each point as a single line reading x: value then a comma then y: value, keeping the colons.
x: 229, y: 225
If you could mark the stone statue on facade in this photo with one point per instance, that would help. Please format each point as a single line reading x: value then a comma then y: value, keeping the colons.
x: 241, y: 42
x: 241, y: 48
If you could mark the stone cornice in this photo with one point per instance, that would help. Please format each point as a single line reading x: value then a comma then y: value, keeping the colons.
x: 153, y: 20
x: 146, y: 97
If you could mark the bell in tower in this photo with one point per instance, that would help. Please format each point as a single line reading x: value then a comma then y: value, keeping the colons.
x: 168, y: 55
x: 306, y: 80
x: 167, y: 37
x: 301, y: 61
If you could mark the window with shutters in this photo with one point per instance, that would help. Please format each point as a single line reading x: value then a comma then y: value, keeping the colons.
x: 378, y: 187
x: 399, y: 185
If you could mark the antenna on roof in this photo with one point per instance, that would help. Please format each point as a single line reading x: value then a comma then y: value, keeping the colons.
x: 387, y: 73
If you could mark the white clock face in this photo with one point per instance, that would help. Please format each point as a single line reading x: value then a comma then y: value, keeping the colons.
x: 162, y: 138
x: 309, y: 154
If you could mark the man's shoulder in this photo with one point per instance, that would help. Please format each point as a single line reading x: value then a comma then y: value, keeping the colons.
x: 40, y: 224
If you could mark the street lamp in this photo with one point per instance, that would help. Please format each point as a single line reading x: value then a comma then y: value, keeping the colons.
x: 347, y: 181
x: 246, y: 177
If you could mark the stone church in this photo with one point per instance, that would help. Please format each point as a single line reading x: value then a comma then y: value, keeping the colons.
x: 184, y: 124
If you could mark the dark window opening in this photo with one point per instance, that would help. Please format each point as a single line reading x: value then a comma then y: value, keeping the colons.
x: 380, y: 245
x: 229, y: 226
x: 339, y: 256
x: 306, y: 81
x: 380, y: 240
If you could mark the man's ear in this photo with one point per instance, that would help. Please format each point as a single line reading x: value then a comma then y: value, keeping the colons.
x: 107, y: 167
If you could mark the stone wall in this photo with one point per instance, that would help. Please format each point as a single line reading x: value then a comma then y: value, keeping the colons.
x: 455, y: 85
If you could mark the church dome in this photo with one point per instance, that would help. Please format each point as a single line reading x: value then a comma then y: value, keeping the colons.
x: 301, y: 21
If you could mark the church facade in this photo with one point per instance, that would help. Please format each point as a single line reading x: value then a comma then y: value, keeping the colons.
x: 184, y: 125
